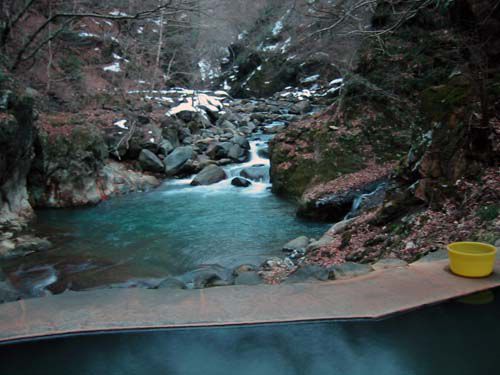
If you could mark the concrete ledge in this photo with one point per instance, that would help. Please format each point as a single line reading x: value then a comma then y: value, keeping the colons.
x: 373, y: 296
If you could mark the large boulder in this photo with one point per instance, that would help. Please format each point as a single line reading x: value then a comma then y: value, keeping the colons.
x: 175, y: 162
x: 68, y: 167
x: 256, y: 173
x: 211, y: 174
x: 150, y: 162
x: 218, y: 151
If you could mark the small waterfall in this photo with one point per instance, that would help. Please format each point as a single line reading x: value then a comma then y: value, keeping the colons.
x: 232, y: 170
x: 254, y: 160
x: 358, y: 201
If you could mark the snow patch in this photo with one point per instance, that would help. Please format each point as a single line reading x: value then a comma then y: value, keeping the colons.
x: 84, y: 34
x: 206, y: 70
x: 115, y: 67
x: 198, y: 103
x: 278, y: 27
x: 336, y: 81
x: 116, y: 12
x: 121, y: 124
x: 310, y: 79
x: 285, y: 45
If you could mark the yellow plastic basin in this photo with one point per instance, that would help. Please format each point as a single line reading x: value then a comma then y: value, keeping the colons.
x: 471, y: 259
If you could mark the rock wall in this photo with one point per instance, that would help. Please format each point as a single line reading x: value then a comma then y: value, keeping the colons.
x: 290, y: 44
x: 17, y: 134
x: 424, y: 100
x: 71, y: 168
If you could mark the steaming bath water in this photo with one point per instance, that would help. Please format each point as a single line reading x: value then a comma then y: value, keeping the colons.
x: 441, y: 340
x: 164, y: 232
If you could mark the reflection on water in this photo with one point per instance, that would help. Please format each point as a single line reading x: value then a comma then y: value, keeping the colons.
x: 451, y: 339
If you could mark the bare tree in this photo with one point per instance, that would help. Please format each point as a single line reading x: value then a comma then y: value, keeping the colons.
x: 38, y: 39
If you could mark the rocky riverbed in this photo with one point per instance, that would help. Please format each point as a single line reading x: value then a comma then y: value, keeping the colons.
x: 196, y: 138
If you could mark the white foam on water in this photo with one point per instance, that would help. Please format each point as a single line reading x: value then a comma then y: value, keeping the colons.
x: 232, y: 170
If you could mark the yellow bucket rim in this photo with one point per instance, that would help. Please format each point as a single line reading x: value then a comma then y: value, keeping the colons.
x: 492, y: 249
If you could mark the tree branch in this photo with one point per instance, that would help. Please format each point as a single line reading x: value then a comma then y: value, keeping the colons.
x: 138, y: 16
x: 11, y: 24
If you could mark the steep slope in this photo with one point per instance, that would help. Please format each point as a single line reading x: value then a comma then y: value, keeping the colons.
x: 425, y: 98
x: 289, y: 46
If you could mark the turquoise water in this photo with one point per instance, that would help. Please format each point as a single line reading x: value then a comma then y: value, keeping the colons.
x: 450, y: 339
x: 164, y: 232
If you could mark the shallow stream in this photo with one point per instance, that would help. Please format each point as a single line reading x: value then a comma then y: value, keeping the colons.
x: 163, y: 232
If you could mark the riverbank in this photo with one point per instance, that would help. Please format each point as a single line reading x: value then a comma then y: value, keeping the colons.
x: 227, y: 162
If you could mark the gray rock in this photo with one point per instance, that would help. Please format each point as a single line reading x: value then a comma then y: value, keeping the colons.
x: 208, y: 276
x: 165, y: 147
x: 240, y: 182
x: 150, y: 162
x: 170, y: 131
x: 308, y: 272
x: 256, y: 173
x: 301, y: 107
x: 211, y: 174
x: 299, y: 244
x: 241, y: 141
x: 323, y: 241
x: 175, y: 162
x: 198, y: 122
x: 237, y: 153
x: 227, y: 125
x: 218, y: 151
x: 248, y: 278
x: 186, y: 116
x: 388, y: 263
x: 341, y: 226
x: 349, y: 270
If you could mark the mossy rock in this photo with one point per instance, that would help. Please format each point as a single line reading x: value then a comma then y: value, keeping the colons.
x: 439, y: 102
